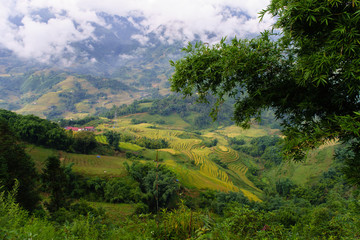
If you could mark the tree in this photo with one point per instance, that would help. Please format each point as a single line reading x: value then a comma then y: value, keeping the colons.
x: 38, y: 131
x: 16, y: 164
x: 309, y: 75
x: 158, y: 183
x: 84, y: 142
x: 113, y: 138
x: 54, y: 180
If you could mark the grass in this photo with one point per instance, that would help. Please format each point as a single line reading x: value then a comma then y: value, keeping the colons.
x: 129, y: 146
x: 117, y: 213
x: 317, y: 162
x: 94, y: 165
x: 39, y: 155
x: 101, y: 139
x: 234, y: 131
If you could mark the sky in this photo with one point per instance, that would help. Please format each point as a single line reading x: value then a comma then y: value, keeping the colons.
x: 29, y: 35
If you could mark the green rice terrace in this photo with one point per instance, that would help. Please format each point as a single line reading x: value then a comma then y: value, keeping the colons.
x: 117, y: 172
x: 198, y: 165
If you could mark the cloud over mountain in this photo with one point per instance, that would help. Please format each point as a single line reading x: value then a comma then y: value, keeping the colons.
x: 49, y: 30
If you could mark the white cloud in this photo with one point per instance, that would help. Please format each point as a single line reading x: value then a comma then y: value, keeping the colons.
x: 71, y: 21
x: 143, y: 40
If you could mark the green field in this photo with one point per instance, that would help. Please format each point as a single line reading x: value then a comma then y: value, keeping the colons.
x: 95, y: 165
x: 92, y: 165
x: 317, y: 162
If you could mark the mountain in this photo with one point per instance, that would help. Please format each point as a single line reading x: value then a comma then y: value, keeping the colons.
x: 121, y: 61
x: 121, y: 73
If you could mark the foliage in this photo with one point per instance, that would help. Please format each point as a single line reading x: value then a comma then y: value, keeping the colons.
x: 16, y: 165
x: 38, y: 131
x: 309, y: 76
x: 112, y: 139
x: 157, y: 182
x: 181, y: 223
x: 284, y: 186
x: 136, y: 121
x: 349, y: 155
x: 236, y: 141
x: 187, y: 107
x: 84, y: 142
x: 272, y: 154
x: 215, y: 215
x: 210, y: 143
x: 217, y: 160
x: 54, y: 182
x: 267, y: 147
x: 16, y: 223
x: 244, y: 222
x: 121, y: 110
x: 122, y: 191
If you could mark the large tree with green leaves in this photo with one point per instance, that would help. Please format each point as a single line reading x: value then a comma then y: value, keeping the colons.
x: 309, y: 73
x: 16, y: 165
x: 55, y: 182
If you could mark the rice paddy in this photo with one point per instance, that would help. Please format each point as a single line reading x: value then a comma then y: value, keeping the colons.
x: 108, y: 166
x: 186, y: 155
x: 186, y: 148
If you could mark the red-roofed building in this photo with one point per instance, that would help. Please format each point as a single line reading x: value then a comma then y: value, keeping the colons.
x: 74, y: 129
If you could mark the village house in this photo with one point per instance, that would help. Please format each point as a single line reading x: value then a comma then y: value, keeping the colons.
x: 77, y: 129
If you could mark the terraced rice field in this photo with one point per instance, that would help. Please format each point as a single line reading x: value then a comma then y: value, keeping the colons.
x: 209, y: 167
x: 129, y: 146
x: 240, y: 169
x: 207, y: 175
x: 198, y: 179
x: 226, y: 154
x: 95, y: 165
x: 195, y: 150
x: 184, y: 144
x: 234, y: 163
x: 101, y: 139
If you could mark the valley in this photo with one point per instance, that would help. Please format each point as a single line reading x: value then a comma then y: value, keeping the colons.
x: 198, y: 167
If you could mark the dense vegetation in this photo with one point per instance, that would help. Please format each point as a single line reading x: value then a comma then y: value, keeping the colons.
x: 16, y: 167
x: 328, y: 209
x: 113, y: 138
x: 35, y: 130
x: 195, y: 113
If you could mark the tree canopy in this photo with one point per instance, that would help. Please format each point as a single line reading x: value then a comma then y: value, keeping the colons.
x: 16, y: 165
x: 307, y: 69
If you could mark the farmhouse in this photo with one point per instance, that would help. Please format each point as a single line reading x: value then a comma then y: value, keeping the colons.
x: 76, y: 129
x: 90, y: 129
